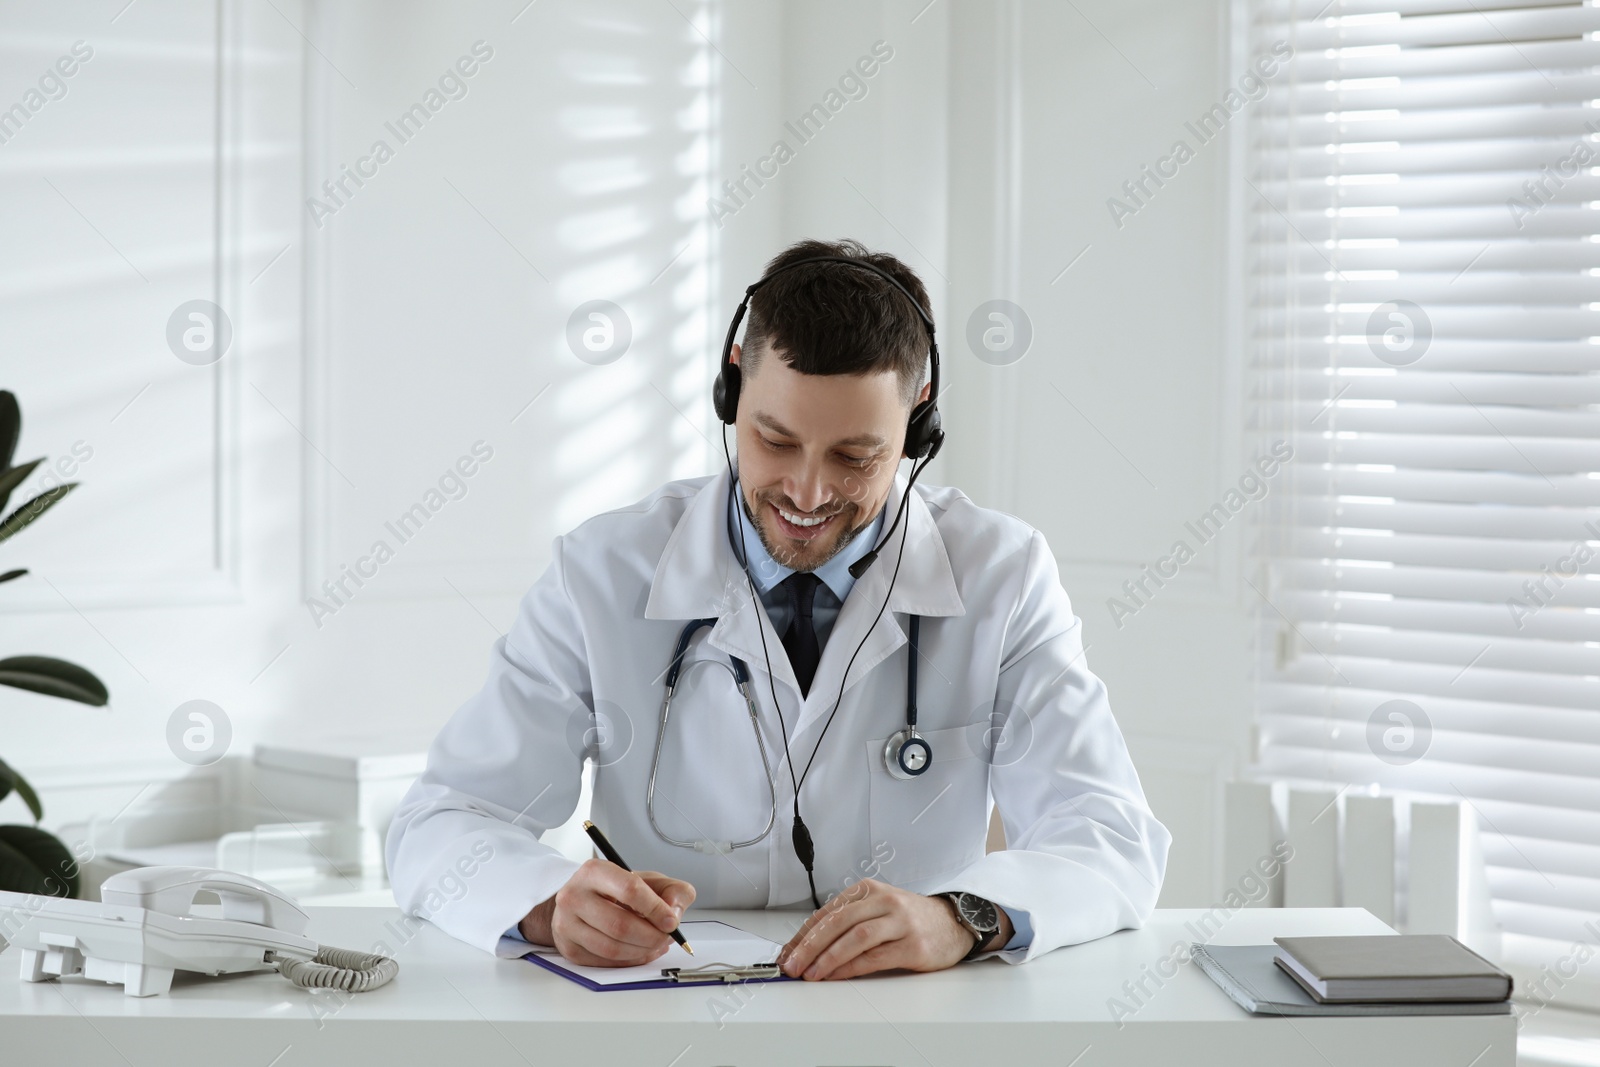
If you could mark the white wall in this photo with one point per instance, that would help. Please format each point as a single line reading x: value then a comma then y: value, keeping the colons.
x: 1122, y: 420
x: 372, y: 348
x: 425, y: 313
x: 168, y: 172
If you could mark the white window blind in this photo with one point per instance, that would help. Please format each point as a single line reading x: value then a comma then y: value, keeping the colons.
x: 1424, y: 247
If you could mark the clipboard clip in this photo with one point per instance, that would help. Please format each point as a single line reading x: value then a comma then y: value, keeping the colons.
x: 717, y: 972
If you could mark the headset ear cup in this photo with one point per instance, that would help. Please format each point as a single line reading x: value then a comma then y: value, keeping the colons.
x: 725, y: 393
x: 922, y: 431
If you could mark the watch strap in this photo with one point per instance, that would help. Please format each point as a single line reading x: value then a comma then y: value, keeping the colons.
x: 983, y: 937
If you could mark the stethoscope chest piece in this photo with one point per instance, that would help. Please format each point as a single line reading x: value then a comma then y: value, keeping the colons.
x: 907, y: 755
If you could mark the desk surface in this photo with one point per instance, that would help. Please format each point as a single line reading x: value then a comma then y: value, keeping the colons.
x: 1114, y: 1000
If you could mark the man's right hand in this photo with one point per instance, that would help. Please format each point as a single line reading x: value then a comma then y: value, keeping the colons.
x: 608, y: 917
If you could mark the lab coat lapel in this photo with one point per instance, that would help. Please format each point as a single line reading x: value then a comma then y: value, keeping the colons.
x: 699, y: 577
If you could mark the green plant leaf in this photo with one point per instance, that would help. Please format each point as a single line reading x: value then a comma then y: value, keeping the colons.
x: 10, y: 779
x: 11, y: 477
x: 8, y: 575
x: 53, y: 677
x: 35, y: 861
x: 33, y: 509
x: 10, y: 427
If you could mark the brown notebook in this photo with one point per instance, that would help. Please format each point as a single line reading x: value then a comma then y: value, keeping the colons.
x: 1392, y: 967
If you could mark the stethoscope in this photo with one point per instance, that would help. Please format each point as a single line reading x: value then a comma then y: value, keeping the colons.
x: 906, y: 754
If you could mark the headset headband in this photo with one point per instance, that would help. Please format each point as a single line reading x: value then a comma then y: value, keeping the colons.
x: 924, y: 434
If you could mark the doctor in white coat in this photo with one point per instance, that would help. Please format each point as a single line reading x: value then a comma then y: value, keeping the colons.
x: 827, y: 396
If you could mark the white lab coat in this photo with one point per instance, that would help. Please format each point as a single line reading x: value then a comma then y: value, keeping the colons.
x: 1005, y: 698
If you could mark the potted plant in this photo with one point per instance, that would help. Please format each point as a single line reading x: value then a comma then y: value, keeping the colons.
x: 32, y: 860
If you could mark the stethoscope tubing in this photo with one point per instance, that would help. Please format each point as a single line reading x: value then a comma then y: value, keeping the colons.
x: 741, y: 677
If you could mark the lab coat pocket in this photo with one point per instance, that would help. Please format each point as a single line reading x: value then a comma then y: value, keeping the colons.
x: 936, y: 822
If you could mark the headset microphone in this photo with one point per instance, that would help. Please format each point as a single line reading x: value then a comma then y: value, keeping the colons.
x: 859, y: 567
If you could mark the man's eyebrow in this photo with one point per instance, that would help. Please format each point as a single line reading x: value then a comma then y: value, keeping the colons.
x: 859, y: 439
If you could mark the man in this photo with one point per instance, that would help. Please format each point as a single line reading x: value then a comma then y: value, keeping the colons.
x: 828, y: 377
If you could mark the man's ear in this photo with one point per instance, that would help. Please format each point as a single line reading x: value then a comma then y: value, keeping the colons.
x: 927, y: 389
x: 733, y: 353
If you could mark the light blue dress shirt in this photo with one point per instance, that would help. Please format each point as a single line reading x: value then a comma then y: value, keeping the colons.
x: 768, y: 575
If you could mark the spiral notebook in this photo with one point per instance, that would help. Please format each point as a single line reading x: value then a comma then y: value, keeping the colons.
x: 722, y: 954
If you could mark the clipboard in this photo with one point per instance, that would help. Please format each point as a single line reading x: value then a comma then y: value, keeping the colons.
x: 726, y: 955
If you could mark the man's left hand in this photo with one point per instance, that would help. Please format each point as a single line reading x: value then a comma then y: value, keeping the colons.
x: 874, y: 926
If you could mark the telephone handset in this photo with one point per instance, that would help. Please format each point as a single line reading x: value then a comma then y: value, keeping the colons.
x: 144, y: 928
x: 172, y: 891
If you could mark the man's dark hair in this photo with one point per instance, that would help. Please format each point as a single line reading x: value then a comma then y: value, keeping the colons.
x: 831, y: 318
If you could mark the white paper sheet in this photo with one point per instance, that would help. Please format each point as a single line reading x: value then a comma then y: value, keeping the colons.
x: 714, y: 943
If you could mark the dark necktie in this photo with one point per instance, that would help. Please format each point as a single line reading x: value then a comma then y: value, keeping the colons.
x: 800, y: 640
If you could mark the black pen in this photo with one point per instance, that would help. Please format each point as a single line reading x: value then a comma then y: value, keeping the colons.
x: 610, y: 853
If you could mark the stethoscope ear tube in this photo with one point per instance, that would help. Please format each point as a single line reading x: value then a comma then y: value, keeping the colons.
x: 683, y: 646
x: 741, y: 676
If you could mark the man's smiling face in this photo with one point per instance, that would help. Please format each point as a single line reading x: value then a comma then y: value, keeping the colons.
x: 817, y: 456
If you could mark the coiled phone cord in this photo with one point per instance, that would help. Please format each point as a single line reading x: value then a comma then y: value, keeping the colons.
x: 339, y: 968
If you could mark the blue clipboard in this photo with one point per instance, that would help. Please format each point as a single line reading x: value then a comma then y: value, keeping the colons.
x: 704, y: 931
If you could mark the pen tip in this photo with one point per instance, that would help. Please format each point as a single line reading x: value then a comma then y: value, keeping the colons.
x: 687, y: 949
x: 587, y: 825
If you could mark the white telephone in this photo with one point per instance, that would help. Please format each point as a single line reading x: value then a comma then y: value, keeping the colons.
x: 144, y: 928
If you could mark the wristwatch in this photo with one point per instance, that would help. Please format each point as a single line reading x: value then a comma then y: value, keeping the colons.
x: 980, y: 917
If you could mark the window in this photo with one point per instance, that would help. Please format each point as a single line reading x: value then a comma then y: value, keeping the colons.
x: 1423, y: 180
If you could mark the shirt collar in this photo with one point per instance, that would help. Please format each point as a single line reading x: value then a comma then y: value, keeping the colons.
x: 767, y: 572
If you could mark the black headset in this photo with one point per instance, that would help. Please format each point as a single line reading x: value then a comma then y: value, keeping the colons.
x: 924, y: 435
x: 907, y: 751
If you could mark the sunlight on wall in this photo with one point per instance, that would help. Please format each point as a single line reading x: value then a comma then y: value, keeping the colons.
x: 637, y: 162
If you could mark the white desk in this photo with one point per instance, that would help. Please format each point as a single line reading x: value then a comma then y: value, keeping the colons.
x: 453, y: 1004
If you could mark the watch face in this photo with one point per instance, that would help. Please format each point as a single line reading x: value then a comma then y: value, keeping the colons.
x: 979, y: 912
